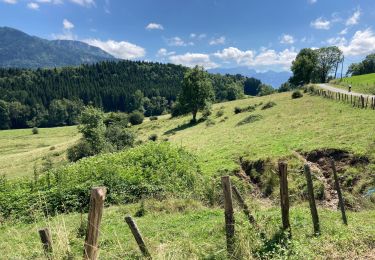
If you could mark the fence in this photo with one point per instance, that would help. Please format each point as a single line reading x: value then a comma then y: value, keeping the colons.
x: 98, y: 194
x: 356, y: 100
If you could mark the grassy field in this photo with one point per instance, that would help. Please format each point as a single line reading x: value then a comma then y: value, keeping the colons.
x: 185, y: 229
x: 361, y: 84
x: 20, y: 150
x: 292, y: 124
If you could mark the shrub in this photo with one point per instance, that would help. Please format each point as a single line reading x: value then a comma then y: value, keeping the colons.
x: 79, y: 150
x: 153, y: 118
x: 35, y: 130
x: 136, y: 118
x: 250, y: 119
x: 297, y: 94
x: 119, y: 119
x: 238, y: 110
x: 151, y: 170
x: 120, y: 138
x: 268, y: 105
x: 207, y: 111
x: 220, y: 113
x: 153, y: 137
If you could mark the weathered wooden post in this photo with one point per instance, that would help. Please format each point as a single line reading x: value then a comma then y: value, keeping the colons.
x: 310, y: 190
x: 243, y: 205
x: 94, y: 218
x: 284, y: 196
x: 229, y: 217
x: 46, y: 238
x: 138, y: 237
x: 339, y: 194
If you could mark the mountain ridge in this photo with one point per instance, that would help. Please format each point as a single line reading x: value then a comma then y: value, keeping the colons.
x: 21, y: 50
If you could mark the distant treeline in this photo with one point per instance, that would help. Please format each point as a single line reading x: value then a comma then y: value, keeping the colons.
x: 366, y: 66
x: 55, y: 97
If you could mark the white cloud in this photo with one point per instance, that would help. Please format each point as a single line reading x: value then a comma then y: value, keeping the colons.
x: 193, y: 35
x: 33, y: 6
x: 66, y: 35
x: 163, y: 52
x: 217, y: 41
x: 344, y: 31
x: 192, y: 59
x: 12, y: 2
x: 313, y: 1
x: 287, y: 39
x: 266, y: 58
x: 354, y: 19
x: 362, y: 43
x: 86, y: 3
x: 154, y: 26
x: 337, y: 41
x: 121, y: 49
x: 235, y: 54
x: 177, y: 41
x: 321, y: 24
x: 67, y: 24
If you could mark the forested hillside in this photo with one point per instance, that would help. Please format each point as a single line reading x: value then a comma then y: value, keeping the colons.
x: 53, y: 97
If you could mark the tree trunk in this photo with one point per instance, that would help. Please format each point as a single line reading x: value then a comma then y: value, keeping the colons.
x: 194, y: 116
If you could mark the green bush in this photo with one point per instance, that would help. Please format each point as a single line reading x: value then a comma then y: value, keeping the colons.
x: 119, y: 137
x: 297, y: 94
x: 35, y: 130
x: 153, y: 118
x: 79, y: 150
x: 151, y: 170
x: 136, y: 118
x: 220, y: 113
x: 153, y: 137
x: 250, y: 119
x: 238, y: 110
x: 268, y: 105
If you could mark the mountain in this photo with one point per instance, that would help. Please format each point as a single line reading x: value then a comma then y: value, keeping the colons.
x: 18, y: 49
x: 273, y: 78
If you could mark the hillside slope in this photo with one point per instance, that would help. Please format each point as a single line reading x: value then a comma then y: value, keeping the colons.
x: 20, y: 50
x: 361, y: 84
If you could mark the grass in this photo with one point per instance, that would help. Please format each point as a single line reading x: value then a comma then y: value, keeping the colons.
x: 185, y: 229
x: 20, y: 150
x: 303, y: 124
x: 361, y: 84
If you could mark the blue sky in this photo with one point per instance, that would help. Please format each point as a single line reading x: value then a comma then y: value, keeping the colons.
x: 262, y: 35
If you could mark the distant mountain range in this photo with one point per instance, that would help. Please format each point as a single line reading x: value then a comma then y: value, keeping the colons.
x: 18, y: 49
x: 273, y: 78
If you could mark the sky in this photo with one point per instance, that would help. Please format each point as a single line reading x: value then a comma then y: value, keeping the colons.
x: 259, y: 34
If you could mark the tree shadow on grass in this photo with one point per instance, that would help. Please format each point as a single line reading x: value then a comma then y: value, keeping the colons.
x: 279, y: 244
x: 183, y: 127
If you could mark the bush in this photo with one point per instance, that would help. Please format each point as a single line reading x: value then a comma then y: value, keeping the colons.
x: 120, y: 138
x: 250, y: 119
x: 120, y: 119
x: 207, y: 111
x: 268, y: 105
x: 35, y: 130
x: 136, y: 118
x: 297, y: 94
x: 153, y: 137
x: 210, y: 122
x: 220, y: 113
x: 238, y: 110
x: 153, y: 118
x: 79, y: 150
x: 151, y: 170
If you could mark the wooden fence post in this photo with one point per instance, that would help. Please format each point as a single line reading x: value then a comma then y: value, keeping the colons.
x: 46, y: 238
x: 243, y: 205
x: 94, y: 218
x: 138, y: 237
x: 310, y: 189
x: 284, y: 196
x: 229, y: 218
x: 339, y: 194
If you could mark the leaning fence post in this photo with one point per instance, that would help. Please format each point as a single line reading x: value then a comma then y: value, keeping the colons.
x: 229, y: 218
x: 94, y: 218
x: 310, y: 189
x: 339, y: 194
x: 138, y: 237
x: 46, y: 238
x: 243, y: 205
x: 284, y: 197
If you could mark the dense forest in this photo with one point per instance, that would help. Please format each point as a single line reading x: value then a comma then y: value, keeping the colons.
x: 53, y: 97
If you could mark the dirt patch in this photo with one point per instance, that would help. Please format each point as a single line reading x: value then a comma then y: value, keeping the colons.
x: 320, y: 162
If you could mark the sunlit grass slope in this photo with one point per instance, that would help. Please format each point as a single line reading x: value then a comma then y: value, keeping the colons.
x: 362, y: 83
